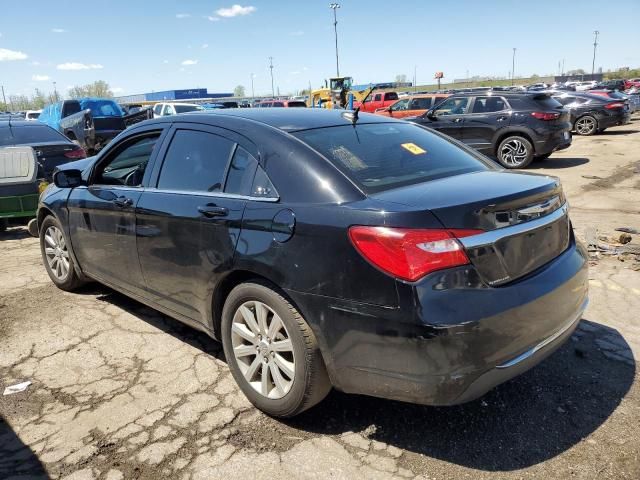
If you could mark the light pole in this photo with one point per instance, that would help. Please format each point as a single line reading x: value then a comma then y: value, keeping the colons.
x: 253, y: 95
x: 55, y: 92
x: 513, y: 66
x: 334, y: 7
x: 273, y: 92
x: 595, y: 44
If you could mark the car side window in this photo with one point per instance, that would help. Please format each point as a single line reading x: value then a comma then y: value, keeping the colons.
x: 157, y: 109
x: 195, y: 161
x: 241, y: 172
x: 401, y: 104
x: 453, y: 106
x: 378, y: 97
x: 420, y: 104
x: 488, y: 105
x: 565, y: 100
x: 128, y: 163
x: 262, y: 186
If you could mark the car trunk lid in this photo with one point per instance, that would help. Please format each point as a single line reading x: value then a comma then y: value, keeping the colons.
x: 523, y: 217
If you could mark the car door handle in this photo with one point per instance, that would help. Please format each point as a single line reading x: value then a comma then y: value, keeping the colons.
x: 501, y: 119
x: 122, y: 202
x: 457, y: 120
x: 211, y: 211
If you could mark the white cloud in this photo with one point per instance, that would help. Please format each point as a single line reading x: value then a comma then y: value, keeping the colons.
x: 40, y: 78
x: 79, y: 66
x: 183, y: 15
x: 7, y: 55
x: 35, y: 63
x: 58, y: 30
x: 117, y: 90
x: 234, y: 11
x: 165, y: 61
x: 205, y: 45
x: 297, y: 33
x: 190, y: 62
x: 212, y: 19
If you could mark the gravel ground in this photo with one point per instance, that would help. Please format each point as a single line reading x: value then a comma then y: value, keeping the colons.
x: 121, y: 391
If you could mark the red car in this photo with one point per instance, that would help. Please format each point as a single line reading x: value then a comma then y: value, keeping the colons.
x: 377, y: 100
x: 412, y: 106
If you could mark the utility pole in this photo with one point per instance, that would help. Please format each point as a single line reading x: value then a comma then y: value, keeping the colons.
x: 415, y: 81
x: 55, y: 92
x: 595, y: 44
x: 563, y: 67
x: 253, y: 95
x: 4, y: 99
x: 513, y: 66
x: 334, y: 7
x: 273, y: 92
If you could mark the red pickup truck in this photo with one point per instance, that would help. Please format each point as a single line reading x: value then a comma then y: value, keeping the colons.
x: 377, y: 100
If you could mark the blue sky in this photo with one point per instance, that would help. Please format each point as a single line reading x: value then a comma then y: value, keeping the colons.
x: 140, y: 46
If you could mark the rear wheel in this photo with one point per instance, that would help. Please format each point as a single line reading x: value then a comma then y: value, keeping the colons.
x: 586, y: 125
x: 272, y: 352
x: 515, y: 152
x: 56, y: 257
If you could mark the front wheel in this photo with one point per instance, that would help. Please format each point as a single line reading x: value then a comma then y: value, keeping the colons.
x: 56, y: 257
x: 515, y: 152
x: 586, y: 125
x: 272, y: 352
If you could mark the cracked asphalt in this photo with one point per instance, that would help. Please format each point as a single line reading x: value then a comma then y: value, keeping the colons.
x: 120, y: 391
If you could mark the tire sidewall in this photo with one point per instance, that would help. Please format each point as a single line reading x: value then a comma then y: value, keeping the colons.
x: 71, y: 279
x: 290, y: 403
x: 527, y: 145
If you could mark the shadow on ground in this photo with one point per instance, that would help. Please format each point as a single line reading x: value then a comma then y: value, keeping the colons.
x: 618, y: 132
x: 557, y: 162
x: 16, y: 459
x: 521, y: 423
x: 16, y: 233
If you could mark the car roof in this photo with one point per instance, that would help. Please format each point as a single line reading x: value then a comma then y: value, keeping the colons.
x: 288, y: 120
x: 501, y: 93
x: 22, y: 123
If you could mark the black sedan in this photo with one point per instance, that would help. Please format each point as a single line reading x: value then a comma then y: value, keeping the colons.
x: 51, y: 147
x: 323, y: 249
x: 591, y: 114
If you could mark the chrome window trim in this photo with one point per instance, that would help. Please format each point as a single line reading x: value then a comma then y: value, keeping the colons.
x: 213, y: 194
x: 493, y: 236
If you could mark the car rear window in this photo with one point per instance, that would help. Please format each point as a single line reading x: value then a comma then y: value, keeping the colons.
x: 546, y: 102
x: 187, y: 108
x: 383, y: 156
x: 297, y: 104
x: 29, y: 134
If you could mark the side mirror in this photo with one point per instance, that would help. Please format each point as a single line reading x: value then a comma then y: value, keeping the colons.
x: 431, y: 114
x: 68, y: 178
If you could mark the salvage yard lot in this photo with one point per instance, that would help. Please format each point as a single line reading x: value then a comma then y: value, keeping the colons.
x: 120, y: 391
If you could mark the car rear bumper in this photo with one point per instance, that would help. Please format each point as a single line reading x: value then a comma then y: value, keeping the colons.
x: 559, y: 141
x: 614, y: 120
x: 453, y: 338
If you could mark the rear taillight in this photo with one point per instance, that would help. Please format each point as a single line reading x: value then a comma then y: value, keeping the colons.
x: 410, y: 254
x: 75, y: 153
x: 545, y: 115
x: 613, y: 105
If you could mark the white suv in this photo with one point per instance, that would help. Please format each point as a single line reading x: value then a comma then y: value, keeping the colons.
x: 164, y: 109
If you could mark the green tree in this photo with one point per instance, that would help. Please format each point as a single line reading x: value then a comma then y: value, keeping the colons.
x: 239, y: 91
x: 99, y: 88
x: 38, y: 100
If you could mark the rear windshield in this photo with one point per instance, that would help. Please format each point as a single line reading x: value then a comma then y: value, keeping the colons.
x: 33, y: 115
x: 296, y: 104
x: 547, y: 102
x: 618, y: 95
x: 187, y: 108
x: 103, y: 108
x: 383, y: 156
x: 29, y: 134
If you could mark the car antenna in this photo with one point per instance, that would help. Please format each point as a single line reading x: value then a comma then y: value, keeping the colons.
x: 354, y: 115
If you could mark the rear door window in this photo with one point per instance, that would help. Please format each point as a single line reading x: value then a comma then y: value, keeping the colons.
x: 420, y: 103
x: 391, y: 96
x: 195, y: 161
x: 382, y: 156
x: 489, y: 104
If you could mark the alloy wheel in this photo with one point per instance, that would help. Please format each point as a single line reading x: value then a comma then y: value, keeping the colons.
x: 263, y: 349
x: 56, y: 253
x: 585, y: 126
x: 514, y: 152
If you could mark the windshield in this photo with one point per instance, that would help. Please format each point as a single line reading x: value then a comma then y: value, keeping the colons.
x: 21, y: 135
x: 187, y: 108
x: 383, y: 156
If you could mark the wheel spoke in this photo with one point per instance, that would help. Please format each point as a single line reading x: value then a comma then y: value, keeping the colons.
x: 286, y: 366
x: 49, y: 251
x: 243, y: 331
x: 253, y: 368
x: 250, y: 319
x: 65, y: 266
x: 49, y: 239
x: 282, y: 346
x: 261, y: 313
x: 274, y: 327
x: 280, y: 383
x: 264, y: 380
x: 244, y: 350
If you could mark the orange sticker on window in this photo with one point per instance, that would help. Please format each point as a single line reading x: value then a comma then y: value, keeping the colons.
x: 413, y: 148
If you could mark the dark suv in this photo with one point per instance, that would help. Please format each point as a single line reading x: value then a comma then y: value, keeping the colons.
x: 590, y: 114
x: 513, y: 127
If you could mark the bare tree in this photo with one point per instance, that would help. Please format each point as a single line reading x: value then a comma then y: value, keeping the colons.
x: 239, y: 91
x: 99, y: 88
x: 401, y: 78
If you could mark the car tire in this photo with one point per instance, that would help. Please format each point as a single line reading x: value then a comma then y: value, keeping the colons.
x: 542, y: 157
x: 586, y: 125
x: 271, y: 351
x: 56, y: 256
x: 515, y: 152
x: 4, y: 224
